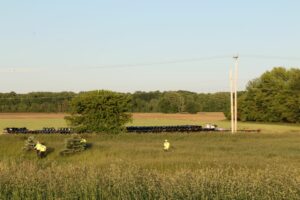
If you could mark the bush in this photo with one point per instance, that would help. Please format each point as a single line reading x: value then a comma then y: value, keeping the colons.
x: 74, y: 145
x: 29, y: 144
x: 100, y: 111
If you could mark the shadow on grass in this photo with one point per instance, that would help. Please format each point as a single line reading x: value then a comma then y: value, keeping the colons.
x: 50, y: 150
x: 88, y: 145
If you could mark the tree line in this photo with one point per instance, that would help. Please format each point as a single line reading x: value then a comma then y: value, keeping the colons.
x: 179, y: 102
x: 273, y: 97
x: 156, y: 101
x: 36, y: 102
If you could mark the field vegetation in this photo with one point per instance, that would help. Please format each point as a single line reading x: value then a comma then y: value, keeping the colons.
x: 273, y: 97
x: 40, y: 120
x: 262, y: 165
x: 100, y: 111
x: 155, y: 101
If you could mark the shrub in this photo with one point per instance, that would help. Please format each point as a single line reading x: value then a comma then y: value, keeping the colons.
x: 100, y: 111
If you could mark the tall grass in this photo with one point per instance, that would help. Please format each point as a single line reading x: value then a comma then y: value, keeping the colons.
x: 28, y: 180
x: 133, y: 166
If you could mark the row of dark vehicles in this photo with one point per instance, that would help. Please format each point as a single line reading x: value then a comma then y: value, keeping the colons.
x: 24, y: 130
x: 180, y: 128
x: 129, y: 129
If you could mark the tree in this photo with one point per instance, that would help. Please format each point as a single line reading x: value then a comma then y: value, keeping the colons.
x: 141, y: 101
x: 145, y: 101
x: 171, y: 102
x: 273, y: 97
x: 191, y: 106
x: 100, y: 111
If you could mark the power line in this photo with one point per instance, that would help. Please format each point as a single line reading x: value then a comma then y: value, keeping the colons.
x: 160, y: 62
x: 188, y: 60
x: 267, y: 57
x: 129, y: 65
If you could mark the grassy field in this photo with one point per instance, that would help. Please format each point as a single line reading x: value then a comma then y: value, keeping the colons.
x: 134, y: 166
x: 40, y: 120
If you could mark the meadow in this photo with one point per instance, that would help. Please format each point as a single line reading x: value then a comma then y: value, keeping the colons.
x: 262, y: 165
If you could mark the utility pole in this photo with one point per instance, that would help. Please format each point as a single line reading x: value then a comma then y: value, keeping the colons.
x: 234, y: 93
x: 231, y: 100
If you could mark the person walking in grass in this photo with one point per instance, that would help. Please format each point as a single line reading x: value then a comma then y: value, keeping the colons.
x: 166, y: 145
x: 83, y: 142
x: 40, y: 149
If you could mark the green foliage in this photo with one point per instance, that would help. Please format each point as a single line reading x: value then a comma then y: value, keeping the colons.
x: 179, y: 101
x: 100, y: 111
x: 35, y: 102
x: 191, y: 106
x: 121, y: 181
x: 29, y: 144
x: 217, y: 102
x: 145, y: 101
x: 74, y: 145
x: 133, y: 166
x: 241, y: 96
x: 171, y: 102
x: 274, y: 97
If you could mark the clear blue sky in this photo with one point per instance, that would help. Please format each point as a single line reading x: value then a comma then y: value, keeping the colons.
x: 83, y: 45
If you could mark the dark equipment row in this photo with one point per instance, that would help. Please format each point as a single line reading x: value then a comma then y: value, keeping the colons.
x: 159, y: 129
x: 24, y: 130
x: 130, y: 129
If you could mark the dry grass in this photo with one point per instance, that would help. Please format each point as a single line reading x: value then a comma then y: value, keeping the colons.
x: 213, y: 116
x: 32, y: 115
x: 203, y: 116
x: 40, y: 120
x: 123, y: 181
x: 134, y: 166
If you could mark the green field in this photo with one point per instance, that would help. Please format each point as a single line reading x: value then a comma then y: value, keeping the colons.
x: 33, y: 122
x: 263, y: 165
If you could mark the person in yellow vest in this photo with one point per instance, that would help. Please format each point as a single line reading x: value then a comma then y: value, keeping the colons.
x: 83, y: 142
x: 40, y: 149
x: 166, y: 145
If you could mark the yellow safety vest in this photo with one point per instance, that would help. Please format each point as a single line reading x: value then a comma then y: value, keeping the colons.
x: 40, y: 147
x: 37, y: 146
x: 43, y: 148
x: 166, y: 145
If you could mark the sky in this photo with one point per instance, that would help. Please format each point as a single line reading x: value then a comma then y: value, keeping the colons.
x: 139, y: 45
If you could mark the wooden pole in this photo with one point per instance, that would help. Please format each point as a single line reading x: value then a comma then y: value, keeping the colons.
x: 235, y: 92
x: 231, y: 100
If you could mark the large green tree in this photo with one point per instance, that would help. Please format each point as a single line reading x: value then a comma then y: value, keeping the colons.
x: 171, y: 102
x: 273, y: 97
x: 100, y: 111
